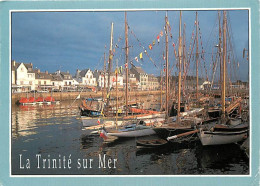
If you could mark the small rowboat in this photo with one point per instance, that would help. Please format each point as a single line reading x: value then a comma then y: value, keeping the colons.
x: 153, y: 143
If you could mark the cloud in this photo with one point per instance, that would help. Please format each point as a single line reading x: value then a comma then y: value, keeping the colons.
x: 77, y: 39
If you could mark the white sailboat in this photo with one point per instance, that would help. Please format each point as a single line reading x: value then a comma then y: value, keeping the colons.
x: 223, y: 133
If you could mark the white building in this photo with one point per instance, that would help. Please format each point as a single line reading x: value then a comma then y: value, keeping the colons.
x: 43, y: 80
x: 99, y: 75
x: 23, y: 75
x: 141, y: 76
x: 86, y: 77
x: 57, y: 81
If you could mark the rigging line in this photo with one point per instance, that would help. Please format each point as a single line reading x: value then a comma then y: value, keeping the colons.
x: 230, y: 28
x: 202, y: 53
x: 232, y: 53
x: 145, y: 51
x: 214, y: 26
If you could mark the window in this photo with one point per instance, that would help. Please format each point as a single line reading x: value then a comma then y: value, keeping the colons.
x: 39, y: 82
x: 21, y: 82
x: 87, y: 76
x: 30, y: 82
x: 44, y: 82
x: 69, y: 83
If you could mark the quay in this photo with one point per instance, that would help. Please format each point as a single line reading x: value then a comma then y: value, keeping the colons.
x: 63, y: 96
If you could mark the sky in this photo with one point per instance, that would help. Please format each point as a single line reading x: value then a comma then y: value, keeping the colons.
x: 68, y: 41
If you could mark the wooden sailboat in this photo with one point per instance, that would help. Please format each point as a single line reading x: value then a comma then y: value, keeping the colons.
x: 223, y: 133
x: 136, y: 128
x: 175, y: 125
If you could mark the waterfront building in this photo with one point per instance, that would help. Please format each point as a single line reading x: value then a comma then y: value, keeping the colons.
x: 153, y: 82
x: 99, y: 75
x: 132, y: 81
x: 23, y: 77
x: 57, y: 81
x: 43, y: 80
x: 86, y: 77
x: 141, y: 76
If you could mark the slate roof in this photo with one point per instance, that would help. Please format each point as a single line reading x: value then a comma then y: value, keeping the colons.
x: 42, y: 75
x: 29, y: 66
x: 83, y: 72
x: 56, y: 77
x: 138, y: 70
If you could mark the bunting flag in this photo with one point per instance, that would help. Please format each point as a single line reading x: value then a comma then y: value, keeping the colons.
x: 98, y: 121
x: 120, y: 70
x: 126, y: 66
x: 116, y: 71
x: 136, y: 58
x: 161, y: 33
x: 114, y: 79
x: 150, y: 47
x: 175, y: 53
x: 173, y: 44
x: 153, y: 42
x: 164, y: 68
x: 158, y: 38
x: 141, y: 55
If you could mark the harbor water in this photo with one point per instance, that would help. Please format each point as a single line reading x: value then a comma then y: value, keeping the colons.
x: 50, y: 140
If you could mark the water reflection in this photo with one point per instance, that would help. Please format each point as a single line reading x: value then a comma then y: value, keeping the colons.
x: 57, y: 130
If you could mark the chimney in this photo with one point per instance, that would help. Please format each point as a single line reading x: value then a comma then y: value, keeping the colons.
x: 46, y: 72
x: 38, y: 70
x: 13, y: 62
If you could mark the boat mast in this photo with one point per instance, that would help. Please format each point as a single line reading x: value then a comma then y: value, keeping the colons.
x: 219, y: 49
x: 197, y: 58
x: 104, y: 87
x: 184, y: 59
x: 116, y: 92
x: 167, y: 58
x: 110, y: 60
x: 224, y: 64
x: 126, y: 65
x: 179, y: 81
x: 161, y: 92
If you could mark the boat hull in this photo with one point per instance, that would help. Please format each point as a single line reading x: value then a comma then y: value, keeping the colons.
x: 221, y: 138
x: 155, y: 143
x: 134, y: 133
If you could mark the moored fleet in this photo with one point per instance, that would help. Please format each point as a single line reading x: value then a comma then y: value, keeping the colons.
x: 200, y: 116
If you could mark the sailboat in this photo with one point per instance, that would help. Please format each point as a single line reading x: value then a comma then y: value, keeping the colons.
x: 223, y: 133
x: 176, y: 125
x: 136, y: 128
